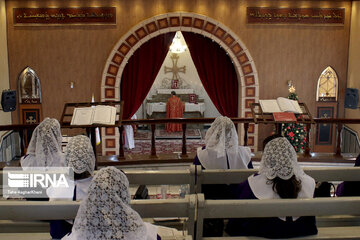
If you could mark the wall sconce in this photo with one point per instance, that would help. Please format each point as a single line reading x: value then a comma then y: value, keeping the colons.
x: 72, y: 84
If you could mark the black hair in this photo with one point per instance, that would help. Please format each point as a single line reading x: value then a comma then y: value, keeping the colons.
x: 78, y: 176
x: 173, y: 93
x: 269, y: 138
x: 286, y: 188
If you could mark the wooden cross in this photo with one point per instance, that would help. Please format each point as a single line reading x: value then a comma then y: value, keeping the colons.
x: 31, y: 120
x: 175, y: 69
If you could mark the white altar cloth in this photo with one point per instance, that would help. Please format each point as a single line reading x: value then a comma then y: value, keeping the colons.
x: 178, y: 91
x: 161, y: 107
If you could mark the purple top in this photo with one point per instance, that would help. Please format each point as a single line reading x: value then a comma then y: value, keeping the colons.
x: 271, y: 227
x: 349, y: 188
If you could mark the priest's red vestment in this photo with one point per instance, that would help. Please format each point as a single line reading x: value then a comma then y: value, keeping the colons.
x: 174, y: 109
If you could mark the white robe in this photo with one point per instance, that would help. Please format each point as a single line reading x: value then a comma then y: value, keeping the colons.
x: 129, y: 135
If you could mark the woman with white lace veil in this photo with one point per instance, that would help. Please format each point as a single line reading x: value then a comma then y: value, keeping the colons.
x: 106, y: 213
x: 221, y: 151
x: 79, y: 155
x: 44, y: 149
x: 279, y: 176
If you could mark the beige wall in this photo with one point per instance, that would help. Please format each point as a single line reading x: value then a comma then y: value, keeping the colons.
x: 354, y: 60
x: 78, y: 53
x: 5, y: 118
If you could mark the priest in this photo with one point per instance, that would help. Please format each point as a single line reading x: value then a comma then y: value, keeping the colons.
x: 174, y: 109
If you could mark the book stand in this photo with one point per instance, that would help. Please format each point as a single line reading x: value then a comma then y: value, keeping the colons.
x: 261, y: 117
x: 68, y: 112
x: 304, y: 118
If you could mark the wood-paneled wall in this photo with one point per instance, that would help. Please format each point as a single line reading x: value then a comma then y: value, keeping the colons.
x: 354, y: 61
x: 60, y: 54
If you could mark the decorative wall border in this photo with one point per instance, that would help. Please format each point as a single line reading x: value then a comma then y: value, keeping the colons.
x: 189, y: 22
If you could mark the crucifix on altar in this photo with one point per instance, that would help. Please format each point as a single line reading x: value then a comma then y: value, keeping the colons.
x: 183, y: 81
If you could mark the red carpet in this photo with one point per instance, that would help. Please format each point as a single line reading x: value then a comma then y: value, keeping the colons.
x: 164, y: 146
x: 163, y: 134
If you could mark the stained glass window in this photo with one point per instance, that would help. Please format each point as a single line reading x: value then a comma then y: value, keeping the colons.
x: 327, y: 87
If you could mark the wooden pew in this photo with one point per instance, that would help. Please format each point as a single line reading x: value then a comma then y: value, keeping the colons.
x: 57, y: 210
x: 320, y: 174
x: 155, y: 177
x: 282, y: 207
x: 163, y: 177
x: 46, y: 236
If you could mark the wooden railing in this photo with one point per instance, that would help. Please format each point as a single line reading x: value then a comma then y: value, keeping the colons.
x: 185, y: 121
x: 246, y: 121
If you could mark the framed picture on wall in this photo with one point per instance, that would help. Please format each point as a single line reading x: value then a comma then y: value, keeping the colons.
x: 192, y: 98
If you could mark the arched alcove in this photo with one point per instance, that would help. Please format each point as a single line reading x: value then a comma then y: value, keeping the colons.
x: 327, y: 86
x: 189, y: 22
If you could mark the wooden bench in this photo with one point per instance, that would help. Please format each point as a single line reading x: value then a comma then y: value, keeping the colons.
x: 320, y: 174
x: 282, y: 207
x: 57, y: 210
x: 46, y: 236
x: 155, y: 177
x: 163, y: 177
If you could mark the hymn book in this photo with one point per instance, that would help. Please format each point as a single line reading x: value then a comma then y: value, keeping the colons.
x: 94, y: 115
x: 280, y: 104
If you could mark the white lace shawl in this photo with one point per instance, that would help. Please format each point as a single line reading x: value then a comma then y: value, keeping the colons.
x: 106, y: 213
x: 45, y: 149
x: 209, y: 159
x: 79, y: 154
x: 279, y: 160
x: 221, y: 141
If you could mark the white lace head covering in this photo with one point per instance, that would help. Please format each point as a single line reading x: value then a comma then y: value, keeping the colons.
x: 106, y: 213
x: 222, y: 144
x: 79, y: 154
x: 279, y: 160
x: 45, y: 149
x: 222, y: 136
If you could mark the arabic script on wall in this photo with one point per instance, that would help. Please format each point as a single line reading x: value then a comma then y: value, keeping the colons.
x: 87, y: 15
x: 295, y: 15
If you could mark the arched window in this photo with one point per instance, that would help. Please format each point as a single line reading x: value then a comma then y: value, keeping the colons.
x: 327, y: 87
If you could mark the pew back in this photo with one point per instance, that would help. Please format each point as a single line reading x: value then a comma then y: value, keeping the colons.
x: 320, y: 174
x: 57, y: 210
x: 274, y: 208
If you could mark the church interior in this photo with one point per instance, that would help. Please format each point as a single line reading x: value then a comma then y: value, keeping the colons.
x: 166, y: 71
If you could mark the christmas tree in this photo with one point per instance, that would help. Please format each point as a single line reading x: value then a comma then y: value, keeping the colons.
x: 295, y: 132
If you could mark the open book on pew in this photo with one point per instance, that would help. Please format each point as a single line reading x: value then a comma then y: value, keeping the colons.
x: 99, y: 114
x: 280, y: 104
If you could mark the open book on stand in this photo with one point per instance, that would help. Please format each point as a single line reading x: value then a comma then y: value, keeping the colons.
x: 280, y: 104
x: 99, y: 114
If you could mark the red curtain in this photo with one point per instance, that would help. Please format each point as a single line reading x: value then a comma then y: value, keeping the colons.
x: 140, y: 72
x: 216, y: 72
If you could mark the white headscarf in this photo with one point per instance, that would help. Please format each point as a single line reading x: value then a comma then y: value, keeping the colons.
x: 79, y: 154
x: 222, y: 143
x: 279, y: 160
x: 44, y: 149
x: 106, y: 213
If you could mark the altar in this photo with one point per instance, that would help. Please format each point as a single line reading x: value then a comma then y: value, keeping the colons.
x: 160, y: 107
x: 156, y: 104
